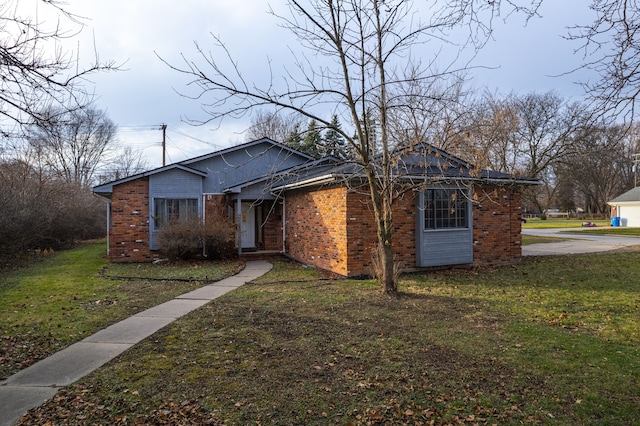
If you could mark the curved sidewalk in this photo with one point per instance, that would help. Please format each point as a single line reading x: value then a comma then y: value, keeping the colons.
x: 34, y: 385
x: 574, y: 241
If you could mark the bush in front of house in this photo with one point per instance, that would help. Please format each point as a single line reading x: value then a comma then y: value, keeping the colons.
x: 219, y: 237
x: 190, y: 239
x: 181, y: 239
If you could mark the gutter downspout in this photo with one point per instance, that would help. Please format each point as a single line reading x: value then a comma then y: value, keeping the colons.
x: 284, y: 225
x: 204, y: 221
x: 239, y: 221
x: 108, y: 227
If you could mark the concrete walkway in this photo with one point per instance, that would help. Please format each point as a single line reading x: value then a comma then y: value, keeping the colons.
x: 576, y: 242
x: 36, y: 384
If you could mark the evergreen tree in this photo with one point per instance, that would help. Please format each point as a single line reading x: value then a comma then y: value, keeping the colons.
x: 312, y: 142
x: 294, y: 139
x: 333, y: 143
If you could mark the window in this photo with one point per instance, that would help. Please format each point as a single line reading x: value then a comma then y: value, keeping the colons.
x: 445, y: 209
x: 171, y: 209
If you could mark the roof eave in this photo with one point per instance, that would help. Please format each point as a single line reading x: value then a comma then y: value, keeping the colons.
x: 316, y: 181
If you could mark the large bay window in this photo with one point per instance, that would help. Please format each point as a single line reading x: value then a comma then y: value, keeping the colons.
x: 446, y: 208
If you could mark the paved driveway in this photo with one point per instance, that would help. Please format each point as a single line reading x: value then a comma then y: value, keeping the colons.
x: 578, y: 242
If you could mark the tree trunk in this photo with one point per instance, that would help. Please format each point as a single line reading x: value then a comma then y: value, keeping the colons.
x: 388, y: 278
x: 384, y: 218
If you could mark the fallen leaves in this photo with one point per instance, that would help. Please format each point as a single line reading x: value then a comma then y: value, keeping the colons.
x: 18, y: 350
x: 75, y: 407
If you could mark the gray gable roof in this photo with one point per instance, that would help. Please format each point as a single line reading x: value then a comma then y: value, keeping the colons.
x: 628, y: 197
x: 229, y: 167
x: 246, y: 146
x: 421, y: 162
x: 106, y: 189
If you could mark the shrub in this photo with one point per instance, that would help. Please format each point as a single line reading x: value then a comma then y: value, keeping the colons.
x: 220, y: 237
x: 188, y: 239
x: 40, y: 212
x: 181, y: 239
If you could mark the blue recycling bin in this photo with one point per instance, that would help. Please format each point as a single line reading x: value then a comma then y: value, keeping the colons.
x: 615, y: 221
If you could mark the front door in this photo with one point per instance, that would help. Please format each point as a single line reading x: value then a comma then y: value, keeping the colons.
x: 248, y: 226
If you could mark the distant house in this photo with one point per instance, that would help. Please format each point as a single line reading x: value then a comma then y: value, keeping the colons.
x: 627, y: 208
x: 318, y: 211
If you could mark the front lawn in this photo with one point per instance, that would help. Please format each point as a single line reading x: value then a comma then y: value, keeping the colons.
x: 68, y: 296
x: 553, y: 340
x: 537, y: 239
x: 623, y: 231
x: 537, y: 223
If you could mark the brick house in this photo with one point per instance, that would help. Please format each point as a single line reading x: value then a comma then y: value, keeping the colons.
x: 318, y: 211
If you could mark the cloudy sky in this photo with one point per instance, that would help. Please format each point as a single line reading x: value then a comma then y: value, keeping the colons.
x: 143, y: 95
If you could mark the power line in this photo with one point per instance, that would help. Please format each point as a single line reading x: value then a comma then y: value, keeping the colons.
x: 194, y: 138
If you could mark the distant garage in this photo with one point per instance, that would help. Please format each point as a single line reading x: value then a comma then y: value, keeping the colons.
x: 627, y: 208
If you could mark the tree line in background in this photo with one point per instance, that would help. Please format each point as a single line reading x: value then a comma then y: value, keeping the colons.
x: 46, y: 175
x: 52, y: 141
x: 581, y: 161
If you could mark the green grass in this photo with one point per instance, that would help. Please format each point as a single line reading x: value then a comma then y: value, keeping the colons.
x: 65, y: 297
x: 629, y: 232
x: 562, y: 223
x: 536, y: 239
x: 553, y: 340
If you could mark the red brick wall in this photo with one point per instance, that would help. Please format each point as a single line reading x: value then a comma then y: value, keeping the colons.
x: 272, y: 225
x: 316, y: 229
x: 334, y: 229
x: 215, y: 204
x: 129, y: 234
x: 496, y: 225
x: 362, y: 232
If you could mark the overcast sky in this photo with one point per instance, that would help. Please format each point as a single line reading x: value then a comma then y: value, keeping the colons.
x: 143, y: 95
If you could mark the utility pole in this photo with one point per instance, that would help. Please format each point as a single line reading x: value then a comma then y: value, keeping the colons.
x: 163, y: 127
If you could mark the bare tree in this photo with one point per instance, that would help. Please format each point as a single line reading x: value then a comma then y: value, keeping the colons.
x: 611, y: 49
x: 272, y: 125
x: 123, y: 163
x: 547, y: 126
x: 33, y: 215
x: 362, y: 53
x: 527, y: 135
x: 492, y: 132
x: 73, y: 143
x: 37, y: 74
x: 432, y: 110
x: 597, y: 165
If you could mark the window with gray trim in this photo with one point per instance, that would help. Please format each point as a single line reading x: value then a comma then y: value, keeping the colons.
x: 445, y: 208
x: 172, y: 209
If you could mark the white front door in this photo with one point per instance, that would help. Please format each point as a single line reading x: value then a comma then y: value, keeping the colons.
x: 248, y: 226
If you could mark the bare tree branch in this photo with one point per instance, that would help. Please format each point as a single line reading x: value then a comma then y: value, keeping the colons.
x: 36, y: 73
x: 610, y: 46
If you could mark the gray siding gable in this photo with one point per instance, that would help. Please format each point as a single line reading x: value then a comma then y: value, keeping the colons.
x: 245, y: 163
x: 173, y: 183
x: 106, y: 189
